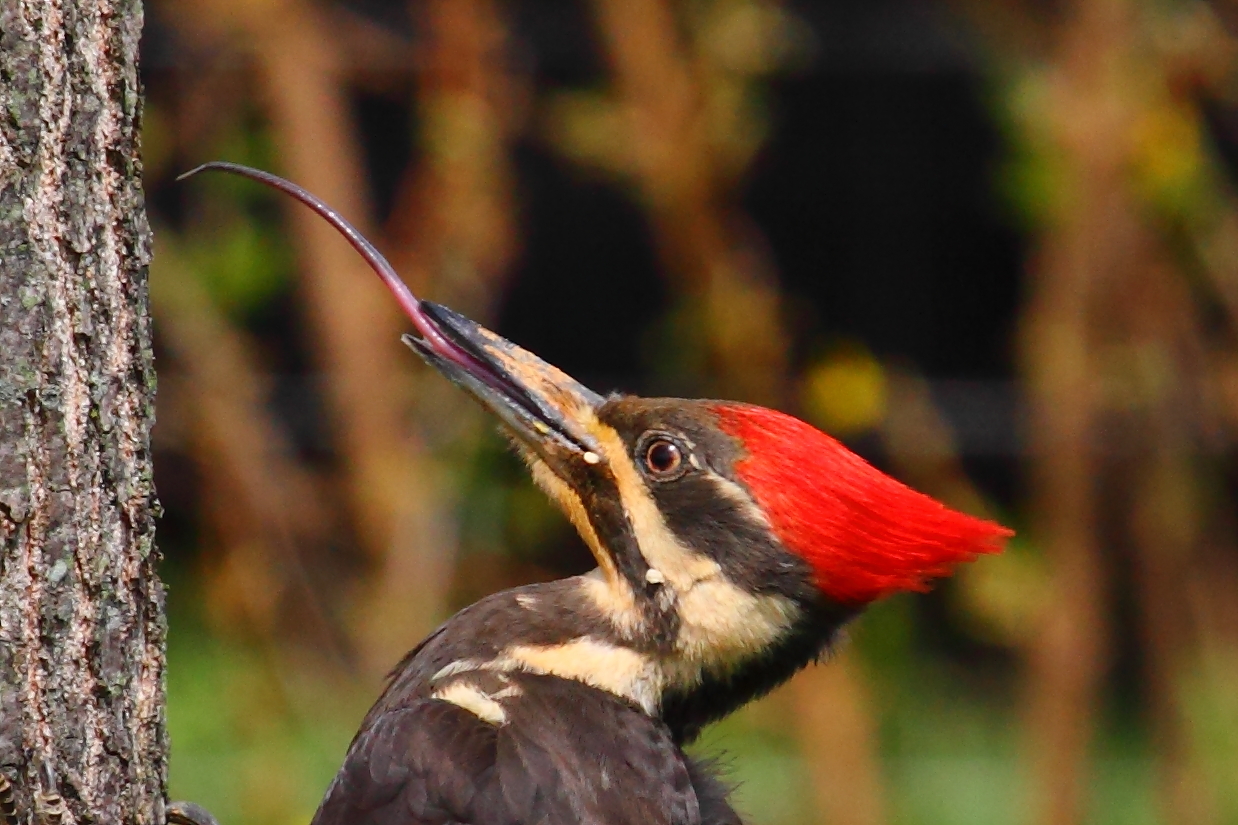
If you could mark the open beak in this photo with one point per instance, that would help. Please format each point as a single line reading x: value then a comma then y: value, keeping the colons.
x: 540, y: 404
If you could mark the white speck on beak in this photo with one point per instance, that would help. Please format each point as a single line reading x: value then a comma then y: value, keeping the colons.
x: 591, y: 457
x: 541, y: 427
x: 654, y: 576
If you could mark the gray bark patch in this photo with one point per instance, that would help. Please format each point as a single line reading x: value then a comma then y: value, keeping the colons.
x: 81, y: 607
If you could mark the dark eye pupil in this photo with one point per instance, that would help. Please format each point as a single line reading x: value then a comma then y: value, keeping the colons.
x: 663, y: 456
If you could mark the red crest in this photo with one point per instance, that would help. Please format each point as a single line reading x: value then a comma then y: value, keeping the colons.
x: 865, y: 534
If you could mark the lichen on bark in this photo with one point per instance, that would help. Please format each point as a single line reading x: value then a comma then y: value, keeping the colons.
x: 81, y: 606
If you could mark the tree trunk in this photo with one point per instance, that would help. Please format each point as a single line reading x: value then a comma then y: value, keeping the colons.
x: 81, y: 608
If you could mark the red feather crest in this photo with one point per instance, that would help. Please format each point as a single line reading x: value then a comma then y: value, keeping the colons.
x: 865, y: 534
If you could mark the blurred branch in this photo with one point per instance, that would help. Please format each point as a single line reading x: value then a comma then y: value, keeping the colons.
x: 452, y: 225
x: 1117, y: 132
x: 1165, y: 525
x: 840, y: 743
x: 1069, y: 653
x: 712, y: 252
x: 1165, y: 372
x: 1081, y: 254
x: 275, y: 510
x: 393, y: 488
x: 372, y: 56
x: 453, y: 217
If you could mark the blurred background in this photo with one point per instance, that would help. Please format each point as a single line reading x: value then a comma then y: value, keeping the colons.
x: 990, y: 244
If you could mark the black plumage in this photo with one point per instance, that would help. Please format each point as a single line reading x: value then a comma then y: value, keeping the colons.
x: 567, y: 753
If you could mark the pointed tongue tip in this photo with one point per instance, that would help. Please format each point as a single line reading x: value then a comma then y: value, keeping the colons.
x: 408, y: 302
x: 864, y: 534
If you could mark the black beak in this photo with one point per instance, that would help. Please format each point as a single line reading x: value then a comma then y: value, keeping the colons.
x: 542, y: 406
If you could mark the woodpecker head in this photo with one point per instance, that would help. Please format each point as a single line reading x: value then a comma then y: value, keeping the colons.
x: 732, y: 541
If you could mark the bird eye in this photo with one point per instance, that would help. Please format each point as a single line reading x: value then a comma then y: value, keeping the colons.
x: 663, y: 458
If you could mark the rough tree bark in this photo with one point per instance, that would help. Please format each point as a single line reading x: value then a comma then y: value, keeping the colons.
x: 81, y: 608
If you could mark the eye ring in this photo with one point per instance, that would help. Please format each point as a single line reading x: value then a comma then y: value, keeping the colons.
x: 663, y: 459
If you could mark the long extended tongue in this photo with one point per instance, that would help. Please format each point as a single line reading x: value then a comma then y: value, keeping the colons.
x: 408, y: 302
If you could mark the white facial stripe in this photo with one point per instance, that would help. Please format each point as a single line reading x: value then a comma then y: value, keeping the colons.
x: 617, y: 670
x: 474, y: 700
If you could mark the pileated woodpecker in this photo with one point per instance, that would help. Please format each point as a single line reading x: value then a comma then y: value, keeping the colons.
x: 732, y: 543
